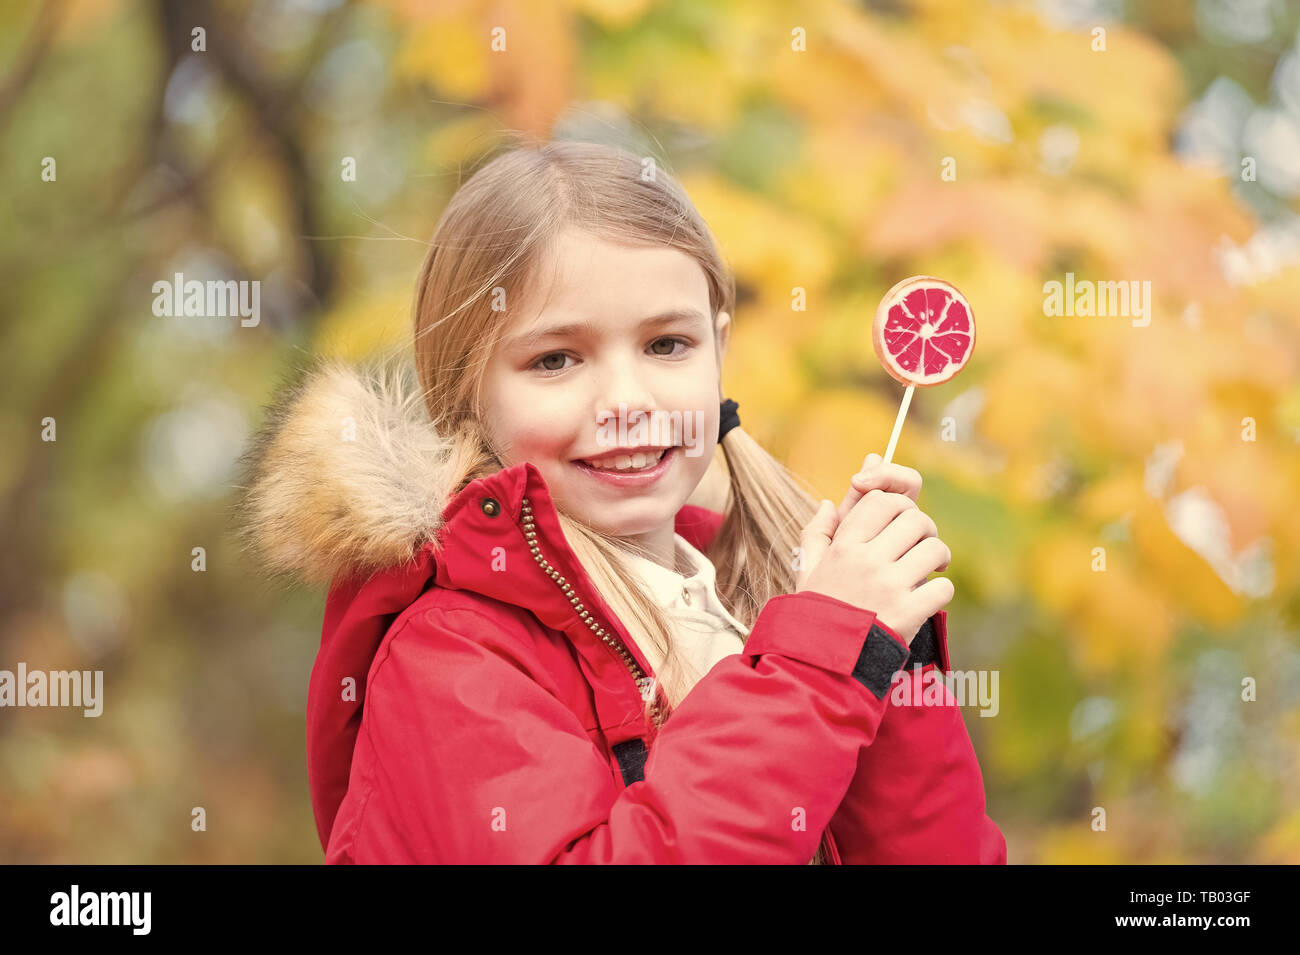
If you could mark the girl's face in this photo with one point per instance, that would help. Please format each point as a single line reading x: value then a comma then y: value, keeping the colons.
x: 624, y: 336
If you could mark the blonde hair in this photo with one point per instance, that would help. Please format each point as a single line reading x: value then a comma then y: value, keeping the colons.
x: 494, y: 235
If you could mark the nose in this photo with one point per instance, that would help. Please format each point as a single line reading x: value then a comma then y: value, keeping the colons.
x: 623, y: 392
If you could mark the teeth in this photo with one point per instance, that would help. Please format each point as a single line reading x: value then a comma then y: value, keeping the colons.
x: 626, y: 462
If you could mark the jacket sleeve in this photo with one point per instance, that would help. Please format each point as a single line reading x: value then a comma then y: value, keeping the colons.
x: 917, y: 796
x: 477, y: 762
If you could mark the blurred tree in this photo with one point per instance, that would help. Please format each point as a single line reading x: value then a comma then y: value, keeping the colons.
x: 834, y: 150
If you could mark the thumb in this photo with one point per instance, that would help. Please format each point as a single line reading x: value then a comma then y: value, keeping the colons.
x: 815, y: 539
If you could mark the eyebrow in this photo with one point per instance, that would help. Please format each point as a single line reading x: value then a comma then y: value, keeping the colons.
x: 591, y: 329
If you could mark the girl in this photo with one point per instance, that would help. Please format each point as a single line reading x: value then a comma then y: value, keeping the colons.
x: 502, y: 676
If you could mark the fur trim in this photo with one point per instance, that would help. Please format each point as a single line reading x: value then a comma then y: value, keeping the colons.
x: 348, y: 474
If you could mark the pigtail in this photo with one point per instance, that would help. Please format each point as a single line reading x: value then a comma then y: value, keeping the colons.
x: 756, y: 550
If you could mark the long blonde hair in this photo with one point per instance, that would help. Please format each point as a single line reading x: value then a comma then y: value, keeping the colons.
x: 492, y: 235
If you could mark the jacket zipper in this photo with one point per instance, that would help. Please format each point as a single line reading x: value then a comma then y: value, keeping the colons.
x: 638, y: 675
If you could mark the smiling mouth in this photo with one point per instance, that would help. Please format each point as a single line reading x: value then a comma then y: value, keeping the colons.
x: 626, y: 463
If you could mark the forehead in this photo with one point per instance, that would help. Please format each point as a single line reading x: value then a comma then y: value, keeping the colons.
x: 586, y: 276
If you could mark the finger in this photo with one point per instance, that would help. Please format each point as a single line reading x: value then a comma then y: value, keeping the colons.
x: 930, y: 555
x: 889, y: 477
x: 933, y: 595
x: 872, y: 514
x: 904, y: 532
x: 815, y: 538
x: 853, y: 495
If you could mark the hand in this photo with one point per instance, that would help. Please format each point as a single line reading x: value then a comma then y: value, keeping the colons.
x: 874, y: 553
x: 887, y: 477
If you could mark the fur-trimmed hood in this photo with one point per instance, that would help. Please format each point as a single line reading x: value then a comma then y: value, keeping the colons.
x: 347, y: 474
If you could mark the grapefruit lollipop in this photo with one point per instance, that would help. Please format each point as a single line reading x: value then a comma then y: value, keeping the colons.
x: 924, y: 333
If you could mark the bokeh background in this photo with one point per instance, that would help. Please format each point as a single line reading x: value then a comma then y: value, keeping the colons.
x: 1171, y: 156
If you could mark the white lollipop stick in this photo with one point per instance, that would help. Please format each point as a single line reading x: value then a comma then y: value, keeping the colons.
x: 898, y: 424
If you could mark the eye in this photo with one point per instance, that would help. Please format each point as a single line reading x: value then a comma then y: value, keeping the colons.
x: 544, y: 363
x: 675, y: 341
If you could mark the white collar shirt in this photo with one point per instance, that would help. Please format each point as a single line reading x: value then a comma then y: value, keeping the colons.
x: 706, y: 632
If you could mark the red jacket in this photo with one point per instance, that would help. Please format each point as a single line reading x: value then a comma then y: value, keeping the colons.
x: 480, y: 703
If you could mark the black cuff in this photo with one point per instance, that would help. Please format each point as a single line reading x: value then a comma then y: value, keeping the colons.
x: 924, y: 647
x: 882, y: 656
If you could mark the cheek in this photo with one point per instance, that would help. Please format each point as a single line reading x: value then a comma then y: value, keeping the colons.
x: 531, y: 437
x: 527, y: 440
x: 707, y: 421
x: 523, y: 422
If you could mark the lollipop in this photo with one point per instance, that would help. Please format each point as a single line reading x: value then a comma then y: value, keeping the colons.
x: 924, y: 334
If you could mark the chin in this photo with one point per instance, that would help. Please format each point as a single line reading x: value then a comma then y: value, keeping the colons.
x: 627, y: 518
